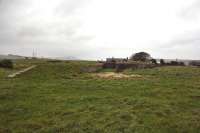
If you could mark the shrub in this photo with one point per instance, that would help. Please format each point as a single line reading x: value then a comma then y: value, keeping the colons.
x: 162, y: 62
x: 6, y: 63
x: 109, y: 65
x: 121, y: 66
x: 154, y: 61
x: 176, y: 63
x: 194, y: 63
x: 182, y: 63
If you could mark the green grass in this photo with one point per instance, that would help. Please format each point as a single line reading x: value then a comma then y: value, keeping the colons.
x: 58, y: 97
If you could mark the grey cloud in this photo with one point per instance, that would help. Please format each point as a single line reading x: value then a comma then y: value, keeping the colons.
x: 21, y: 32
x: 11, y: 7
x: 30, y: 26
x: 23, y: 29
x: 188, y: 38
x: 31, y: 32
x: 185, y: 46
x: 68, y: 7
x: 192, y: 11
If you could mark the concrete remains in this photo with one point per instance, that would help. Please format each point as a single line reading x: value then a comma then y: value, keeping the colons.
x: 20, y: 72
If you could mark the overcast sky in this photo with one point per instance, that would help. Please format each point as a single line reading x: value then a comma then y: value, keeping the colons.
x: 96, y: 29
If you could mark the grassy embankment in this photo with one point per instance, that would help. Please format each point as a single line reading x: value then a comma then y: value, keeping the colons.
x: 58, y: 97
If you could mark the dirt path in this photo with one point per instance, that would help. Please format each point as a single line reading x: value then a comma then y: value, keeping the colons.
x: 20, y: 72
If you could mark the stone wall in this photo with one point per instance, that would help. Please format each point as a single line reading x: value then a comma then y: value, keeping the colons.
x: 132, y: 65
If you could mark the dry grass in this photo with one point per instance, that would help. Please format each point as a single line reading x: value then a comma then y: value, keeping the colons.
x: 115, y: 75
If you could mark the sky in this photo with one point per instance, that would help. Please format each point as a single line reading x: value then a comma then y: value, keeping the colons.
x: 97, y: 29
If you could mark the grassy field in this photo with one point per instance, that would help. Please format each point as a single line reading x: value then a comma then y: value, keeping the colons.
x: 59, y: 97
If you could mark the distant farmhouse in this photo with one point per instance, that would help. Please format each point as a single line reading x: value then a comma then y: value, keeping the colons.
x: 141, y: 56
x: 144, y: 60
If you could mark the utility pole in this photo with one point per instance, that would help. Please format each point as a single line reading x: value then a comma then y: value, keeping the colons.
x: 34, y: 54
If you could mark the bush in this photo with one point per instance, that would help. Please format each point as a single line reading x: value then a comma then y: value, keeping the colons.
x: 176, y: 63
x: 162, y: 62
x: 194, y: 63
x: 181, y: 63
x: 6, y: 64
x: 109, y: 65
x: 154, y: 61
x: 121, y: 66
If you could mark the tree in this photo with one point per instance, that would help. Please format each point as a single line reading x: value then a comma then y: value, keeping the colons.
x: 162, y: 62
x: 6, y: 63
x: 141, y: 56
x: 154, y: 61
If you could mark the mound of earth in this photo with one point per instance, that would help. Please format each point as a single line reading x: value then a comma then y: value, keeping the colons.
x: 116, y: 75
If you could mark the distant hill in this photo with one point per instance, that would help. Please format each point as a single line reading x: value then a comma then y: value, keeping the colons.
x: 17, y: 57
x: 11, y: 57
x: 66, y: 58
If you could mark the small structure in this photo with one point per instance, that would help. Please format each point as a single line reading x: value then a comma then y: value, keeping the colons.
x: 117, y: 59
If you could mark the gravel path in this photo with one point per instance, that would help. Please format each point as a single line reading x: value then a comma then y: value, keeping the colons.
x: 20, y: 72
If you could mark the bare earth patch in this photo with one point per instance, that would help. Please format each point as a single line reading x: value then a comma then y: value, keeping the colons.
x: 115, y: 75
